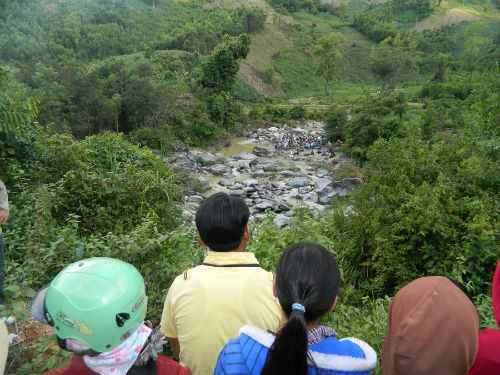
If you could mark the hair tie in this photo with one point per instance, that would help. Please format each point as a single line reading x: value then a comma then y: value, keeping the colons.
x: 298, y: 306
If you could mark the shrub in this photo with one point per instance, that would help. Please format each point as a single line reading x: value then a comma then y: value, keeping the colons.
x: 297, y: 112
x: 335, y: 123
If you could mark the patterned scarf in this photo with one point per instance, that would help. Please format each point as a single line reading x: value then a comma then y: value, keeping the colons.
x: 319, y: 333
x: 119, y: 360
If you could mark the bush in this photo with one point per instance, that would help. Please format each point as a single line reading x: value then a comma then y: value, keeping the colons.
x: 160, y: 138
x: 268, y: 75
x: 297, y: 112
x: 335, y: 123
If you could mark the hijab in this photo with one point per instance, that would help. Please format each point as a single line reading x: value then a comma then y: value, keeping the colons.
x: 488, y: 353
x: 432, y: 328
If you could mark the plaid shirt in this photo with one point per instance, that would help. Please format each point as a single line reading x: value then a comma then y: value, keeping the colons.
x: 319, y: 333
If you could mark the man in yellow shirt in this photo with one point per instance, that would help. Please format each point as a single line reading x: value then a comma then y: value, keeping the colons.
x: 207, y: 305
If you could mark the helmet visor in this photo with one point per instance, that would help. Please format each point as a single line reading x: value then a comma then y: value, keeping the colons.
x: 37, y: 306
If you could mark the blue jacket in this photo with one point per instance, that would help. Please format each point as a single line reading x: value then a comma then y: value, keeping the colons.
x: 247, y: 354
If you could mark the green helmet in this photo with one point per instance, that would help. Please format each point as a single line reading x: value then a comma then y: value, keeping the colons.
x: 97, y: 301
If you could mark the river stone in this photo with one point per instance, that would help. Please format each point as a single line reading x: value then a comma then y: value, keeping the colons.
x: 219, y: 169
x: 250, y: 182
x: 281, y: 220
x: 321, y: 172
x: 260, y: 151
x: 264, y: 206
x: 297, y: 182
x: 289, y: 174
x: 243, y: 164
x: 237, y: 193
x: 244, y: 156
x: 271, y: 167
x: 304, y: 189
x: 259, y: 173
x: 320, y: 184
x: 195, y: 198
x: 283, y: 206
x: 226, y: 182
x: 273, y: 129
x: 249, y: 190
x: 315, y: 206
x: 204, y: 158
x: 311, y: 197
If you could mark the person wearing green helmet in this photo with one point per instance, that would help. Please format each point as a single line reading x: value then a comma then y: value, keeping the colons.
x: 97, y: 307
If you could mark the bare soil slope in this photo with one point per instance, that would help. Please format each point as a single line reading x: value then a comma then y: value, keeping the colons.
x: 451, y: 16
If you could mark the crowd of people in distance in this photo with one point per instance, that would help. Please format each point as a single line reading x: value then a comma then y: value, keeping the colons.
x: 297, y: 143
x: 229, y: 316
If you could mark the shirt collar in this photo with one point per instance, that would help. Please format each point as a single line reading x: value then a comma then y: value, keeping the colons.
x: 221, y: 258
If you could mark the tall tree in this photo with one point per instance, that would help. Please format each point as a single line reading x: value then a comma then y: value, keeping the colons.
x: 476, y: 46
x: 218, y: 74
x: 390, y: 57
x: 328, y: 53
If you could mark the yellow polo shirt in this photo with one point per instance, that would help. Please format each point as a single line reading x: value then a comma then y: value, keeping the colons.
x: 207, y: 305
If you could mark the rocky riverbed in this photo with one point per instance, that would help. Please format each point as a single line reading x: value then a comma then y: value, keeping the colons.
x: 268, y: 179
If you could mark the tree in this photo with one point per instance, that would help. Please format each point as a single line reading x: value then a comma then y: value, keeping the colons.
x: 219, y: 70
x: 390, y: 57
x: 218, y: 74
x: 328, y: 53
x: 15, y: 116
x: 475, y: 47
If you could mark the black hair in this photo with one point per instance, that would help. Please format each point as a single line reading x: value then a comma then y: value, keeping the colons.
x: 147, y: 369
x: 462, y: 287
x: 221, y: 221
x: 308, y: 274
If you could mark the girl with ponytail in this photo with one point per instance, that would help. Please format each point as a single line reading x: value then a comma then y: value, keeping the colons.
x: 306, y: 285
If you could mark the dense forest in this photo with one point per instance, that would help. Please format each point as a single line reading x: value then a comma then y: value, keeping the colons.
x: 410, y: 88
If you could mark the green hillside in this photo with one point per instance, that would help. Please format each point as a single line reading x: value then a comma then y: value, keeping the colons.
x: 99, y: 97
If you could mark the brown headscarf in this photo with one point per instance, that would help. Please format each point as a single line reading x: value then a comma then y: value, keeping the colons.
x: 432, y: 328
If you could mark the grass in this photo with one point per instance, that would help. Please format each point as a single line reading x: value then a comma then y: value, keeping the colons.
x: 264, y: 45
x: 298, y: 70
x: 354, y: 66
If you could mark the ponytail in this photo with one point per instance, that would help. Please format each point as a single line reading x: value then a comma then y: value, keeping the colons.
x: 288, y: 354
x: 307, y: 281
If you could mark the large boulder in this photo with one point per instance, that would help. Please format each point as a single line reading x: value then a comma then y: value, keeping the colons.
x: 321, y: 183
x: 271, y: 167
x: 220, y: 169
x: 244, y: 156
x: 297, y: 182
x: 204, y: 158
x: 185, y: 162
x: 340, y: 188
x: 345, y: 186
x: 260, y: 151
